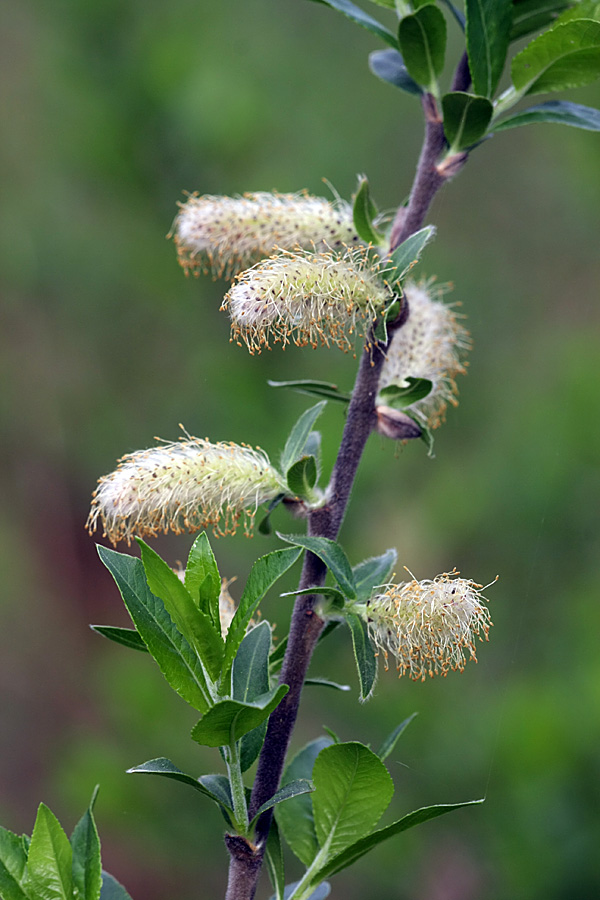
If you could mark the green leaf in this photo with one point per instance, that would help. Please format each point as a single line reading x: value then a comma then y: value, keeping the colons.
x: 391, y: 740
x: 389, y: 66
x: 13, y: 858
x: 567, y: 56
x: 364, y: 212
x: 404, y: 257
x: 111, y: 889
x: 488, y: 34
x: 366, y: 661
x: 466, y: 118
x: 336, y: 596
x: 229, y: 720
x: 87, y: 867
x: 294, y: 446
x: 127, y: 637
x: 422, y: 39
x: 332, y: 555
x: 302, y: 477
x: 352, y: 791
x: 274, y: 861
x: 202, y: 578
x: 264, y: 526
x: 250, y: 679
x: 531, y: 15
x: 195, y: 626
x: 426, y: 434
x: 401, y: 396
x: 177, y: 661
x: 373, y: 572
x: 456, y: 13
x: 348, y: 856
x: 295, y: 819
x: 50, y: 858
x: 559, y: 112
x: 356, y: 14
x: 325, y: 682
x: 287, y: 792
x: 263, y: 575
x: 165, y: 768
x: 583, y: 9
x: 316, y: 388
x: 389, y: 4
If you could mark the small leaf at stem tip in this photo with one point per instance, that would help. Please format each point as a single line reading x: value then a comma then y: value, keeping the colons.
x: 127, y: 637
x: 364, y: 213
x: 466, y: 118
x: 356, y: 14
x: 331, y: 553
x: 372, y: 572
x: 294, y: 446
x: 566, y: 56
x: 302, y: 476
x: 391, y: 740
x: 389, y: 66
x: 404, y: 257
x: 422, y: 39
x: 558, y: 112
x: 364, y: 655
x: 487, y: 31
x: 112, y: 889
x: 316, y: 388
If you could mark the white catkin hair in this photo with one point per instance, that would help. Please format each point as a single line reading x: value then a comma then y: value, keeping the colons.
x: 183, y: 486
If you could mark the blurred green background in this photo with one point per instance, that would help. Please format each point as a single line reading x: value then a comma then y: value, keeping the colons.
x: 110, y: 111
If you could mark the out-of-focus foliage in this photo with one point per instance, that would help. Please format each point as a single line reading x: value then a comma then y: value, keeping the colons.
x: 111, y: 111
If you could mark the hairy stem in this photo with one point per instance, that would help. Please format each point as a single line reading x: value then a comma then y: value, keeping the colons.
x: 306, y: 626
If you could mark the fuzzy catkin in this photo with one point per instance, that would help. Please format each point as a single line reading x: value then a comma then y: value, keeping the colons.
x: 183, y: 486
x: 428, y: 626
x: 432, y: 344
x: 225, y: 235
x: 308, y: 298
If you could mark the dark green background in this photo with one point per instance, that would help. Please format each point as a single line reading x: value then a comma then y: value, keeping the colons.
x: 112, y: 110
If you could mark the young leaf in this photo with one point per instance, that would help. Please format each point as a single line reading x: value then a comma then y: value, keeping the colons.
x: 466, y: 118
x: 372, y: 572
x: 176, y: 659
x: 338, y: 599
x: 325, y: 682
x: 407, y: 254
x: 202, y: 578
x: 274, y: 861
x: 361, y: 18
x: 87, y: 867
x: 294, y: 446
x: 165, y: 768
x: 111, y: 889
x: 389, y: 66
x: 316, y: 388
x: 567, y: 56
x: 13, y: 858
x: 422, y: 39
x: 250, y: 679
x: 352, y: 791
x: 287, y: 792
x: 332, y: 555
x: 50, y: 858
x: 366, y: 661
x: 488, y: 33
x: 532, y: 15
x: 195, y: 626
x: 302, y: 477
x: 559, y: 112
x: 295, y: 819
x: 229, y: 720
x: 263, y: 575
x: 362, y: 846
x: 391, y: 740
x: 400, y: 397
x: 364, y: 212
x: 264, y: 526
x: 127, y: 637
